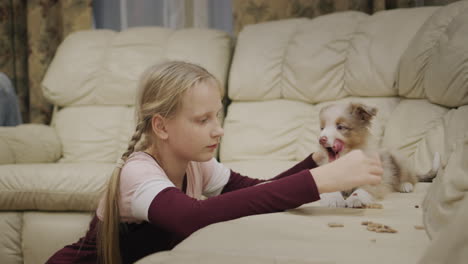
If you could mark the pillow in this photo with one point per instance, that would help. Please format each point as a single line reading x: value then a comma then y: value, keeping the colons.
x: 29, y: 143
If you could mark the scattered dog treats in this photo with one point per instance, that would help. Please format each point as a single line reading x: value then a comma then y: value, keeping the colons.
x: 378, y: 228
x: 419, y: 227
x: 334, y: 224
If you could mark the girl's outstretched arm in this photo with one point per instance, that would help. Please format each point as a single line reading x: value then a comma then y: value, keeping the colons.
x: 178, y: 213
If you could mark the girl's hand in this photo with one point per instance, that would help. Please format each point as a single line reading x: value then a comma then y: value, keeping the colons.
x: 351, y: 170
x: 318, y: 157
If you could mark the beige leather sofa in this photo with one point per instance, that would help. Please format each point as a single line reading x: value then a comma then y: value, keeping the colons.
x: 410, y: 63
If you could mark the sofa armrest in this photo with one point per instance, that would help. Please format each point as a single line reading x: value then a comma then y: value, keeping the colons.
x: 29, y: 143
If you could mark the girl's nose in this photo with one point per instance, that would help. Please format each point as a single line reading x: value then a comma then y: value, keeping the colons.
x: 218, y: 132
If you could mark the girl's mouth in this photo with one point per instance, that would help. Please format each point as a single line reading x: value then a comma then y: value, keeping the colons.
x: 213, y: 146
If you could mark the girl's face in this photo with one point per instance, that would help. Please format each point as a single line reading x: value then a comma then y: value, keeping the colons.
x: 195, y: 131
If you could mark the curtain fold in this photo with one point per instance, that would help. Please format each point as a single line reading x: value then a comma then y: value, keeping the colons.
x: 186, y: 13
x: 30, y: 32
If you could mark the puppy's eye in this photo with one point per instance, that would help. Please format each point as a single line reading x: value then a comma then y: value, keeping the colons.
x: 340, y: 127
x: 321, y: 128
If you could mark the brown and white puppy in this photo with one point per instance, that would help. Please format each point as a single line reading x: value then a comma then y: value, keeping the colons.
x: 346, y: 127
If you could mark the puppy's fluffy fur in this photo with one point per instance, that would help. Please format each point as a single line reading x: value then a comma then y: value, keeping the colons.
x: 345, y: 127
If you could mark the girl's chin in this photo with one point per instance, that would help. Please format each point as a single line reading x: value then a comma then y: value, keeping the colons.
x: 204, y: 157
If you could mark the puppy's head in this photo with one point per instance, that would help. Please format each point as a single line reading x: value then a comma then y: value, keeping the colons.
x: 344, y: 127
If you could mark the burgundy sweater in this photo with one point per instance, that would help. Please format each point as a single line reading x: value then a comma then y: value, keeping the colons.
x: 173, y: 215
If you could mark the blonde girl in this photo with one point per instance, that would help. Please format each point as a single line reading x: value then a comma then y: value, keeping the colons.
x: 153, y: 199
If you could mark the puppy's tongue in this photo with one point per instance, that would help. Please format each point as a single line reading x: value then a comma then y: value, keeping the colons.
x: 334, y: 153
x: 338, y: 146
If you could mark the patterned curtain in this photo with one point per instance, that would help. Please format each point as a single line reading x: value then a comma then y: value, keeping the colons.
x: 254, y: 11
x: 392, y: 4
x: 30, y: 31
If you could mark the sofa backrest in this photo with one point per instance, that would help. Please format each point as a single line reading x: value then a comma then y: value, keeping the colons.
x: 284, y: 72
x: 323, y: 59
x: 93, y: 78
x: 434, y: 66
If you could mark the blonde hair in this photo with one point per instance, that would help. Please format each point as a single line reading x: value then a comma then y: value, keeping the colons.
x: 161, y: 90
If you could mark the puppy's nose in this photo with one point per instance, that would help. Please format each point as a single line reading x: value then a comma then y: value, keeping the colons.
x: 323, y: 140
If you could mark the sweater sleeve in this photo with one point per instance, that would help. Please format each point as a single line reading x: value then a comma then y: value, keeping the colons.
x: 238, y: 181
x: 174, y: 211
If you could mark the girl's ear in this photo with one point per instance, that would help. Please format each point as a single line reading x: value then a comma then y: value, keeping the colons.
x: 158, y: 124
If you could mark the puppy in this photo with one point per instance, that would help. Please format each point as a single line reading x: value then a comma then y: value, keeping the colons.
x: 346, y: 127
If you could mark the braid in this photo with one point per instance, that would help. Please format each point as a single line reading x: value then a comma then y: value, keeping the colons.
x: 140, y: 128
x: 144, y: 143
x: 108, y: 231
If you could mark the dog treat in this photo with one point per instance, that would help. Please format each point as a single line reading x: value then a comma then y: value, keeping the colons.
x: 418, y: 227
x: 374, y: 206
x: 334, y: 224
x: 416, y: 206
x: 381, y: 229
x: 370, y: 206
x: 378, y: 228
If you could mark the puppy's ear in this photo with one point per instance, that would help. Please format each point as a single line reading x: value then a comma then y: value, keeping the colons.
x: 362, y: 112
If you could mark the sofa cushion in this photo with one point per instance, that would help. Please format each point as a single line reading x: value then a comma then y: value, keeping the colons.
x: 276, y: 131
x: 52, y: 187
x: 455, y: 124
x: 435, y: 65
x: 451, y: 243
x: 94, y: 133
x: 169, y: 257
x: 448, y: 190
x: 371, y: 63
x: 419, y: 129
x: 44, y: 233
x: 303, y: 234
x: 102, y: 67
x: 10, y: 237
x: 20, y: 144
x: 416, y: 130
x: 322, y: 59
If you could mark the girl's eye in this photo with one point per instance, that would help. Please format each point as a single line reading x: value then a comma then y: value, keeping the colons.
x: 204, y: 120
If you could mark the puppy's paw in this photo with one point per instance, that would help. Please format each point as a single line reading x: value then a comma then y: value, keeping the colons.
x: 358, y: 199
x: 355, y: 202
x: 406, y: 187
x: 334, y: 199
